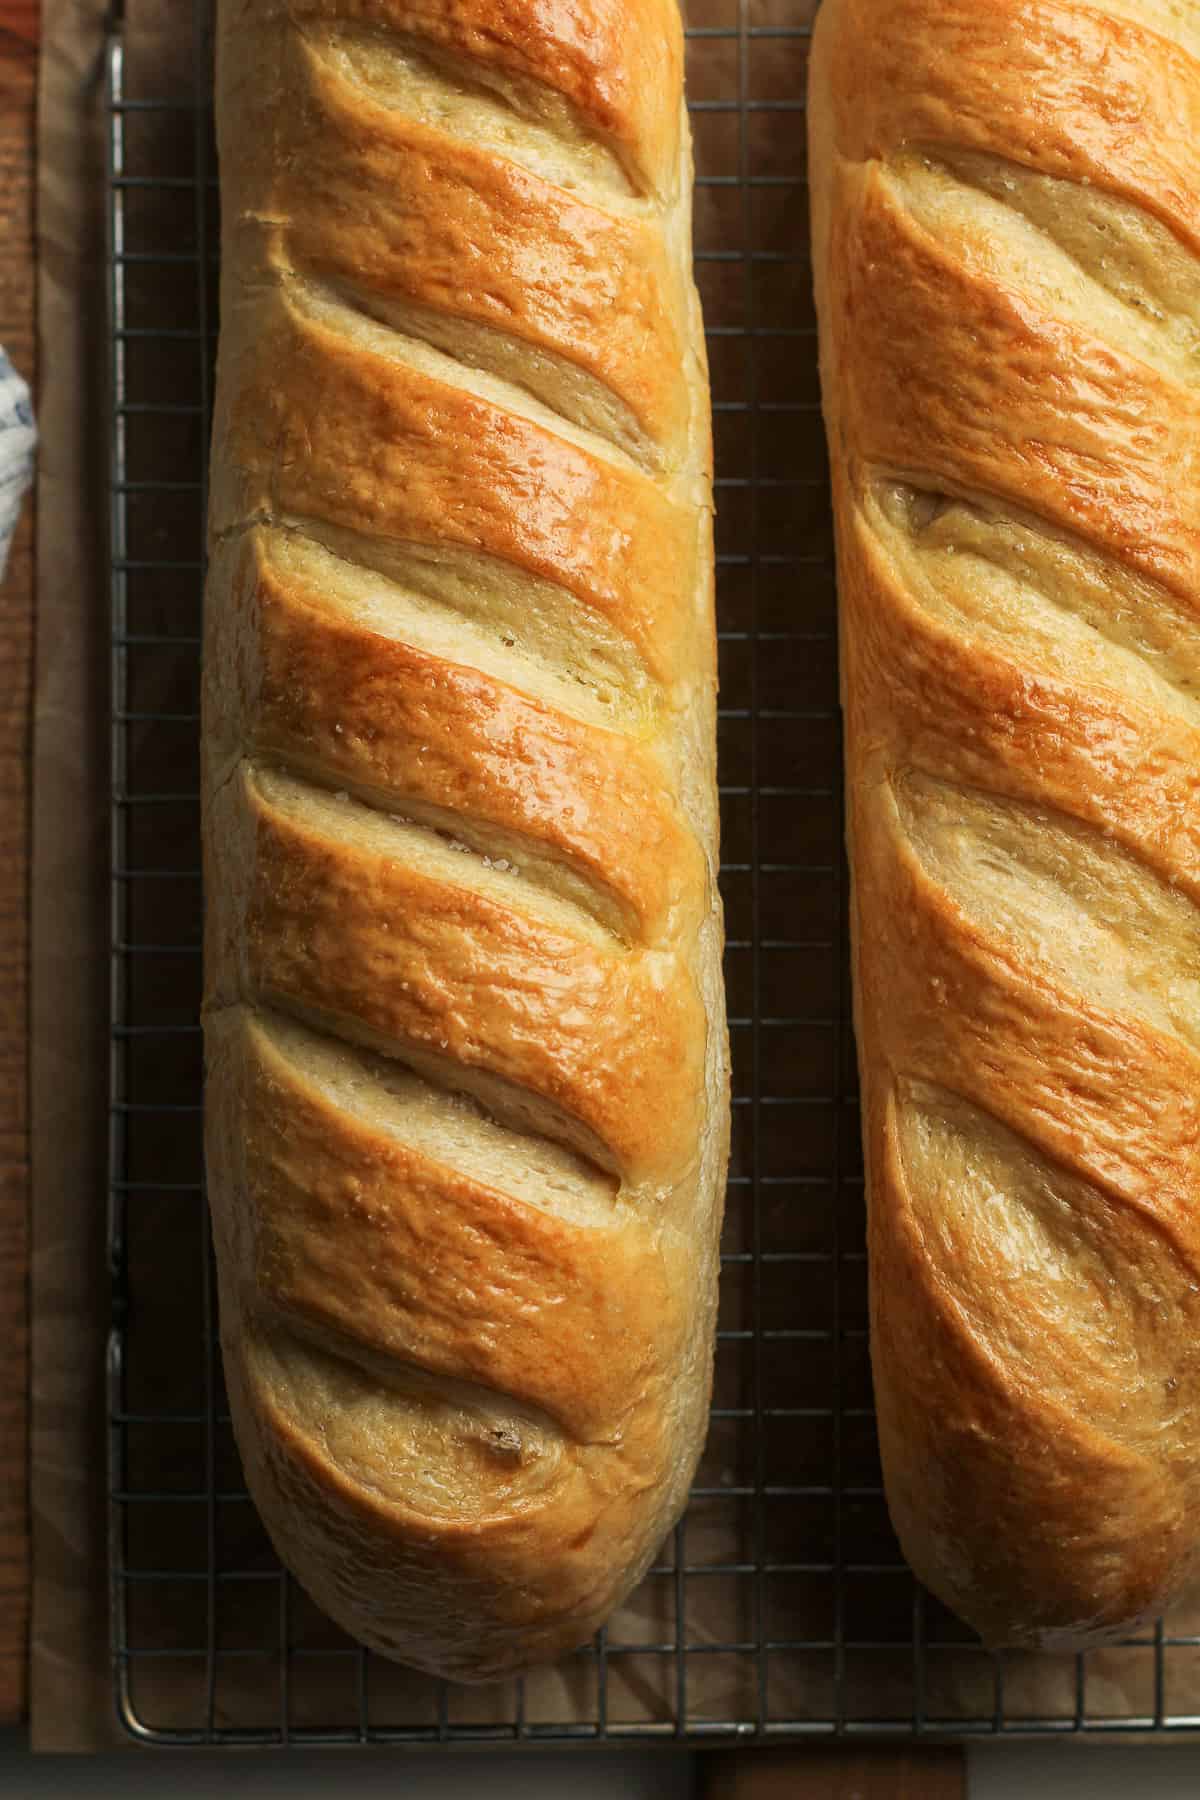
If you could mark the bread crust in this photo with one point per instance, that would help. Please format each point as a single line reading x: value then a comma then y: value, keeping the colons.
x: 467, y: 1109
x: 1005, y: 275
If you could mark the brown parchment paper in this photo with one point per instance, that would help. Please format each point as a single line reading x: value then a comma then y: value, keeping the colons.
x: 69, y: 1677
x: 717, y: 1610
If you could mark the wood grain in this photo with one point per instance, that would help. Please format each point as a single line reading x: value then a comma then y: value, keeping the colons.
x: 18, y: 69
x: 836, y: 1772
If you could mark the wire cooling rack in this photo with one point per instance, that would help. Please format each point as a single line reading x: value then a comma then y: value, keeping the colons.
x: 781, y: 1606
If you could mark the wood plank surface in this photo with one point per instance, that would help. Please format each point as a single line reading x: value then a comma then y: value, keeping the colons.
x: 18, y: 71
x: 836, y: 1772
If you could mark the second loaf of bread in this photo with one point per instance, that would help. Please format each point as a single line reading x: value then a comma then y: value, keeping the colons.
x: 467, y: 1112
x: 1006, y: 206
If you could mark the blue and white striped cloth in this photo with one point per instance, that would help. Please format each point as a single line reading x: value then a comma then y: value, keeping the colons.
x: 18, y: 440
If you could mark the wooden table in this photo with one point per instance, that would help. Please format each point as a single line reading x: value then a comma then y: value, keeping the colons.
x: 832, y: 1773
x: 18, y: 70
x: 839, y: 1772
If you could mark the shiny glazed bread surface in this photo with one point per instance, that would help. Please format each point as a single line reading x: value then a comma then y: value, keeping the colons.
x: 467, y: 1111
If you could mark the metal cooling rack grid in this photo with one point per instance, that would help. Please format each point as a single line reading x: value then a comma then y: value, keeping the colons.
x: 781, y: 1606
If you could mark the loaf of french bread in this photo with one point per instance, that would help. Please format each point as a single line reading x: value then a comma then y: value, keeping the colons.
x: 1006, y: 218
x: 466, y: 1107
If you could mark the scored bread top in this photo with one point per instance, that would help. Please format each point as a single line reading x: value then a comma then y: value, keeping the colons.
x: 467, y: 1114
x: 1006, y: 226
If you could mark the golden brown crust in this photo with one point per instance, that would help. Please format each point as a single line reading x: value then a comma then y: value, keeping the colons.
x: 409, y: 727
x: 1024, y: 729
x: 379, y: 1242
x: 466, y: 1108
x: 617, y: 63
x: 932, y: 341
x: 1006, y: 216
x: 321, y: 426
x: 996, y: 1524
x: 344, y: 927
x: 360, y: 193
x: 1077, y: 92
